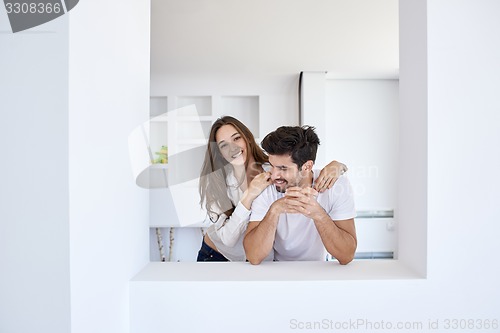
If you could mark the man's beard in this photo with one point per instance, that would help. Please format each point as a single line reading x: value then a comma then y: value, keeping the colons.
x: 286, y: 184
x: 281, y: 187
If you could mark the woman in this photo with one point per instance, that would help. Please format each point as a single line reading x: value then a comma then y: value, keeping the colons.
x: 232, y: 177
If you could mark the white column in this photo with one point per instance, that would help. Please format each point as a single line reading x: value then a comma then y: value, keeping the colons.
x: 411, y: 209
x: 109, y: 98
x: 313, y: 108
x: 34, y: 212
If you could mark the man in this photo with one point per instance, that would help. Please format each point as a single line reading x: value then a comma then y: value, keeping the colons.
x: 290, y: 217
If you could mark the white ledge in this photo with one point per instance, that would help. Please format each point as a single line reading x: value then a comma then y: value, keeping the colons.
x: 376, y: 269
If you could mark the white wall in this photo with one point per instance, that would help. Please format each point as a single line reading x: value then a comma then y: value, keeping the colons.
x: 362, y: 119
x: 109, y: 97
x: 74, y: 227
x: 463, y: 132
x: 34, y: 211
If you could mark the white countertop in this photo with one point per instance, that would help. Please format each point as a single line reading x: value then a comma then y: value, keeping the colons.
x: 373, y: 269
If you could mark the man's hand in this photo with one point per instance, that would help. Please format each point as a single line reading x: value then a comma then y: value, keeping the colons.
x: 280, y: 206
x: 303, y: 201
x: 338, y: 237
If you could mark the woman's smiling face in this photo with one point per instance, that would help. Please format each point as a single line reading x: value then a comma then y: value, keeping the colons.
x: 232, y: 145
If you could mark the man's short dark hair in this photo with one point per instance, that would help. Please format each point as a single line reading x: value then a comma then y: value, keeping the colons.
x: 301, y: 143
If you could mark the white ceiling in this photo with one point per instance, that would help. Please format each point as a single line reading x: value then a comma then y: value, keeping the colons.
x: 344, y: 37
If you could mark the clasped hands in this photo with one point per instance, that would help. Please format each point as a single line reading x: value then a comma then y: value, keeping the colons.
x: 299, y: 200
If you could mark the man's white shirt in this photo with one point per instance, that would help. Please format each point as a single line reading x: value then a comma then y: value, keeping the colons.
x: 296, y: 236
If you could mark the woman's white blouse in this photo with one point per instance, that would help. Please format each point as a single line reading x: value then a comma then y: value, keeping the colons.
x: 227, y: 233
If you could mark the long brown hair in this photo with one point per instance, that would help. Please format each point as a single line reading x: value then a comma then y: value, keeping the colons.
x: 213, y: 184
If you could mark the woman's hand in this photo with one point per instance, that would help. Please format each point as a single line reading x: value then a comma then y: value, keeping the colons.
x: 256, y: 186
x: 329, y: 176
x: 259, y: 184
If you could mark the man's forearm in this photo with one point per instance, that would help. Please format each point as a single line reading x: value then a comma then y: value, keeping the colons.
x: 337, y: 237
x: 259, y: 241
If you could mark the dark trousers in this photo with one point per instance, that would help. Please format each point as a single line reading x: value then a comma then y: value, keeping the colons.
x: 206, y: 253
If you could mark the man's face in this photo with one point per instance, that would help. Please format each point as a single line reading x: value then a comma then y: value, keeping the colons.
x: 284, y: 172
